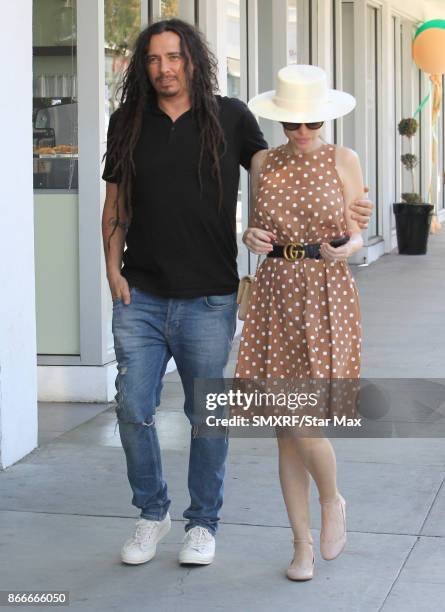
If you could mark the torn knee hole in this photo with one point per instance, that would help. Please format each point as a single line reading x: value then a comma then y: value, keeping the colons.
x: 122, y: 418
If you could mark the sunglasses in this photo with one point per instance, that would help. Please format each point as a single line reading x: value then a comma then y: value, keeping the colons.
x: 292, y: 127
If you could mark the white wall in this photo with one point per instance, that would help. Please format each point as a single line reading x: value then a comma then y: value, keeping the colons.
x: 18, y: 409
x: 410, y: 8
x: 435, y: 9
x: 420, y: 9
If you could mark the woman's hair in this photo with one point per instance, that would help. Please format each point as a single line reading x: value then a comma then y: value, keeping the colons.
x: 137, y: 91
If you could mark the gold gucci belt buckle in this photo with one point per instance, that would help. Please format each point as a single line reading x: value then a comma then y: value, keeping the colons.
x: 293, y: 251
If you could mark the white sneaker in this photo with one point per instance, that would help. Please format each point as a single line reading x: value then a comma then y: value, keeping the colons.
x: 142, y: 546
x: 198, y: 547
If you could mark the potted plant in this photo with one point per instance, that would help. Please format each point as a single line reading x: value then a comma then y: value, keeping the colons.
x: 413, y: 217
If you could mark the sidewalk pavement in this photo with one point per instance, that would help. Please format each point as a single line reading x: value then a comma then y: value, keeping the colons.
x: 65, y: 509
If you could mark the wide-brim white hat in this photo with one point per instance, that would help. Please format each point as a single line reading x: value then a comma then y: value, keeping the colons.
x: 302, y: 95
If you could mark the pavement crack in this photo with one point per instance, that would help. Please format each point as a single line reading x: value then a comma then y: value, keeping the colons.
x: 393, y: 583
x: 181, y: 580
x: 431, y: 506
x: 228, y: 523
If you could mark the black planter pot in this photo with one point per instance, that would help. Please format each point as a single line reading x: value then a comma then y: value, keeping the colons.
x: 413, y: 226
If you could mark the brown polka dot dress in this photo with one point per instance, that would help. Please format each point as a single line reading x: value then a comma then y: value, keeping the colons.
x: 304, y: 316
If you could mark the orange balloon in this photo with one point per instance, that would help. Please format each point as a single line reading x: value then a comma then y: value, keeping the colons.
x: 429, y: 51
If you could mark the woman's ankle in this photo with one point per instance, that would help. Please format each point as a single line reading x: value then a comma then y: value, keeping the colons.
x: 303, y: 538
x: 331, y: 499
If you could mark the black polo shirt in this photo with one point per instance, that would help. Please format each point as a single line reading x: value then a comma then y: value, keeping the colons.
x: 179, y: 244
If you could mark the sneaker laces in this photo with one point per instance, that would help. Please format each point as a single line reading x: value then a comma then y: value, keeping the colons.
x: 198, y: 537
x: 144, y: 531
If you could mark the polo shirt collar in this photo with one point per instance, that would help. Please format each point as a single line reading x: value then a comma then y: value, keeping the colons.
x: 153, y: 108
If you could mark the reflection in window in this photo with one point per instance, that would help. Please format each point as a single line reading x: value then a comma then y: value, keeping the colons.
x: 55, y: 151
x: 169, y: 9
x: 348, y: 69
x: 122, y: 26
x: 233, y: 67
x: 233, y: 48
x: 373, y: 70
x: 292, y: 32
x: 183, y: 9
x: 301, y: 32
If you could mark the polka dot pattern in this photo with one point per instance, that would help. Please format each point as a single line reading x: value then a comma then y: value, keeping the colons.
x: 304, y: 317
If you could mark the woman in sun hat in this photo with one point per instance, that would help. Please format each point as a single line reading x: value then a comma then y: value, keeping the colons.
x: 303, y: 320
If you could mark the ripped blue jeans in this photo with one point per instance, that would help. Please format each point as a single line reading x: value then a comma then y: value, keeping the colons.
x: 198, y: 334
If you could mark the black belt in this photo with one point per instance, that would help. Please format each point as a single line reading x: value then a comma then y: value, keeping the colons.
x: 292, y: 251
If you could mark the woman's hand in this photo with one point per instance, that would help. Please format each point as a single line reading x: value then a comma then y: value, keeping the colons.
x: 342, y: 253
x: 330, y: 253
x: 258, y: 241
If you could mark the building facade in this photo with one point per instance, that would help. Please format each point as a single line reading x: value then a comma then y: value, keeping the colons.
x: 79, y: 50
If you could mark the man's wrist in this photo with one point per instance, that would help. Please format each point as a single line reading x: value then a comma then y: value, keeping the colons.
x: 113, y: 272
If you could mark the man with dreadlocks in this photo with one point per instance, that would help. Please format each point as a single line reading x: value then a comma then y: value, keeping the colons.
x: 172, y: 170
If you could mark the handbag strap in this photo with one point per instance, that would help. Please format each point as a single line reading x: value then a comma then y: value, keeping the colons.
x: 268, y: 152
x: 257, y: 264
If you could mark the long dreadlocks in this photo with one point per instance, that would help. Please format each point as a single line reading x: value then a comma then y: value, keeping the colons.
x: 137, y: 92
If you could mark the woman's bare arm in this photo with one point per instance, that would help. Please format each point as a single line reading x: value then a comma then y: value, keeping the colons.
x: 350, y: 172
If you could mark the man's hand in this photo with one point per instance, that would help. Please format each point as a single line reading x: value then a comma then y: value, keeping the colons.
x: 362, y: 210
x: 258, y: 241
x: 119, y: 287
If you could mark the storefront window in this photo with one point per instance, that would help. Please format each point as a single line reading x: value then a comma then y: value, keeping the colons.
x: 169, y: 8
x: 123, y: 23
x: 397, y: 71
x: 122, y: 26
x: 233, y: 48
x: 183, y: 9
x: 301, y: 31
x: 412, y: 94
x: 373, y: 72
x: 233, y: 68
x: 292, y: 56
x: 54, y: 117
x: 348, y: 68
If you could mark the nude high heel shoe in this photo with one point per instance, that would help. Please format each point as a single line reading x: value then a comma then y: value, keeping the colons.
x: 333, y: 512
x: 298, y: 571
